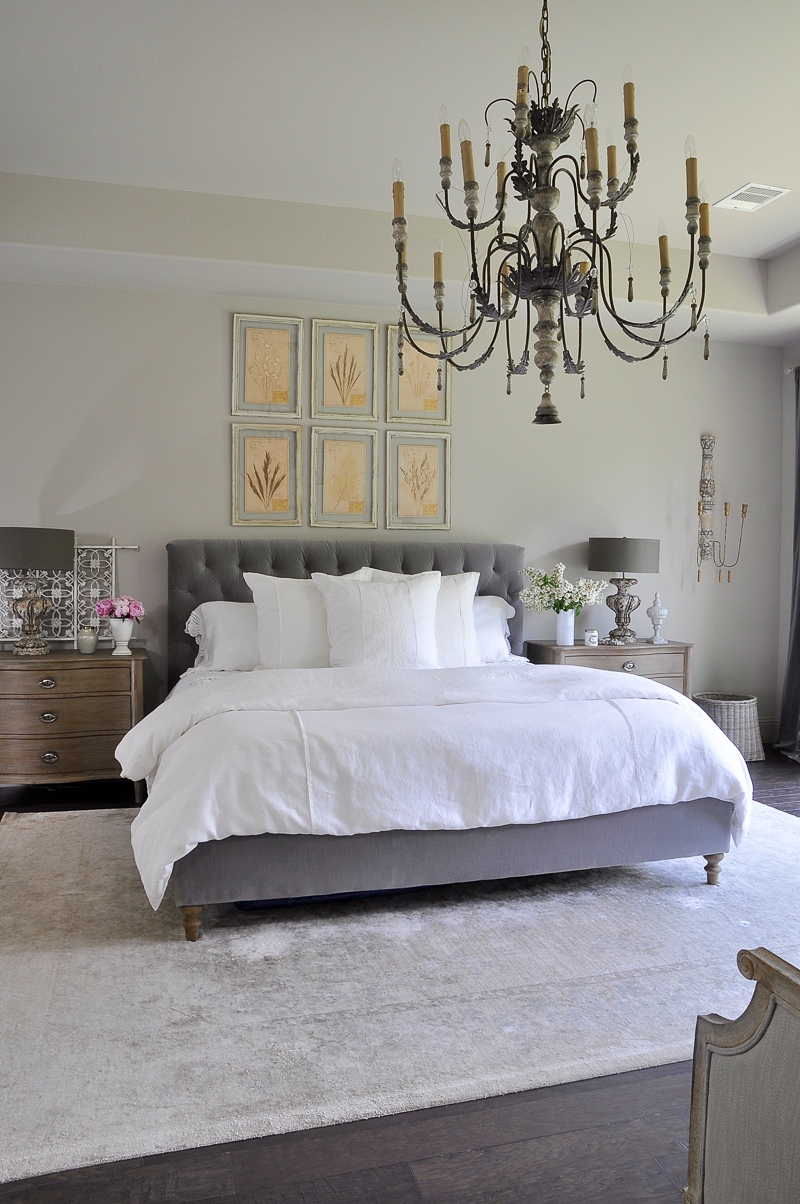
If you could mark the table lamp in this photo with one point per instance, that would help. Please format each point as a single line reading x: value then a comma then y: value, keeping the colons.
x: 34, y: 548
x: 623, y: 556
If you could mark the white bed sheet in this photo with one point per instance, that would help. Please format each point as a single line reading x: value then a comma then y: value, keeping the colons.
x: 342, y: 751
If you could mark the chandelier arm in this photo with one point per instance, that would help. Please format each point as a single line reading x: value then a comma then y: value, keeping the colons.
x: 608, y: 299
x: 498, y: 100
x: 573, y: 179
x: 481, y: 358
x: 447, y: 356
x: 426, y: 328
x: 588, y: 80
x: 624, y: 355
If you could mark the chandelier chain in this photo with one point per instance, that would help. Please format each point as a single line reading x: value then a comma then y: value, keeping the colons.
x: 545, y: 76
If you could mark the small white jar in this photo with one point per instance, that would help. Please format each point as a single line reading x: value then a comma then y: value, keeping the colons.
x: 591, y: 638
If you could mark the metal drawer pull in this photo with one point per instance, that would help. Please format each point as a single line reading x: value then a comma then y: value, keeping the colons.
x: 48, y: 717
x: 49, y: 758
x: 47, y: 683
x: 629, y: 666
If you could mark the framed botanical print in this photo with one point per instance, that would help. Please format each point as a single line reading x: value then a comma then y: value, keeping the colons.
x: 344, y: 476
x: 344, y: 382
x: 415, y: 396
x: 267, y: 363
x: 267, y: 476
x: 417, y: 480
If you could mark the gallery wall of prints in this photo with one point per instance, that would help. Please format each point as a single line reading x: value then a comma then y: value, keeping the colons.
x: 328, y: 433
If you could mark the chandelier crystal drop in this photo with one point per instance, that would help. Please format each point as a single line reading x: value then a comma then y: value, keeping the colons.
x: 555, y: 277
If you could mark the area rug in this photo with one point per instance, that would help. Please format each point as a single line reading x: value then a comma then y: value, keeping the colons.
x: 121, y: 1039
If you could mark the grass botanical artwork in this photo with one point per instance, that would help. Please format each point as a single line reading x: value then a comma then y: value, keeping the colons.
x: 343, y: 478
x: 266, y: 471
x: 415, y: 396
x: 418, y: 486
x: 266, y: 365
x: 343, y: 469
x: 417, y: 480
x: 266, y: 465
x: 343, y: 369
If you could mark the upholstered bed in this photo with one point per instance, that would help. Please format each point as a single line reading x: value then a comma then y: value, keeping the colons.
x: 277, y: 865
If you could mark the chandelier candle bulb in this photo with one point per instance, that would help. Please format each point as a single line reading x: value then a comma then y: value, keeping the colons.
x: 629, y: 94
x: 438, y: 256
x: 705, y: 221
x: 398, y: 190
x: 663, y: 244
x: 467, y: 161
x: 691, y: 169
x: 592, y: 149
x: 444, y: 133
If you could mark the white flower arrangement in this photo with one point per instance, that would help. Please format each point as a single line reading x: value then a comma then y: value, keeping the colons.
x: 552, y: 591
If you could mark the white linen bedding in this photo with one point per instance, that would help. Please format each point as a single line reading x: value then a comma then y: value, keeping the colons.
x: 342, y: 751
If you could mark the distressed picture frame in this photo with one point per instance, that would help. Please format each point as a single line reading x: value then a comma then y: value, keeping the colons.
x: 267, y: 475
x: 344, y: 477
x: 344, y: 378
x: 414, y: 396
x: 267, y: 366
x: 417, y: 480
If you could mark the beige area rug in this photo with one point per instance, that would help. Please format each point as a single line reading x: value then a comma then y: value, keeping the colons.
x: 120, y: 1039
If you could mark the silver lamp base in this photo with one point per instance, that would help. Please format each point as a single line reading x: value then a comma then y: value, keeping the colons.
x: 623, y: 604
x: 30, y: 608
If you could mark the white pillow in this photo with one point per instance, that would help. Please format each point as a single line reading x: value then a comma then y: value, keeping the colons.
x: 456, y: 641
x: 390, y: 624
x: 292, y: 623
x: 491, y: 615
x: 226, y: 634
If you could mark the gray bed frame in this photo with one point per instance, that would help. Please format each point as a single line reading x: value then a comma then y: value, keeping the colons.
x: 285, y: 867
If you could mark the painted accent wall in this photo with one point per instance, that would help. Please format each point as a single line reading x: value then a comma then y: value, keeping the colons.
x: 116, y: 421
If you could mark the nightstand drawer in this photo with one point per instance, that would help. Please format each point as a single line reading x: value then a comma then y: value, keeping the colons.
x: 63, y: 715
x: 43, y: 680
x: 26, y: 758
x: 651, y: 664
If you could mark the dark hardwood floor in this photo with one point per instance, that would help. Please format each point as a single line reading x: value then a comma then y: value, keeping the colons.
x: 615, y: 1140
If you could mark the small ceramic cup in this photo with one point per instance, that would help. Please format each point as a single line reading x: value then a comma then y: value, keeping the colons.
x: 87, y: 640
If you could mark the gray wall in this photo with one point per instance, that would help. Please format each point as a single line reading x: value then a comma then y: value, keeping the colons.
x: 116, y: 422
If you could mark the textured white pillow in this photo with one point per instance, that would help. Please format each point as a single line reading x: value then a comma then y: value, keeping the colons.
x: 226, y: 634
x: 456, y: 641
x: 491, y: 615
x: 292, y: 623
x: 389, y: 624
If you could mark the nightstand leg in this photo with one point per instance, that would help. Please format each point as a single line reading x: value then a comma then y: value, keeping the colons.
x: 712, y: 867
x: 191, y: 922
x: 139, y: 792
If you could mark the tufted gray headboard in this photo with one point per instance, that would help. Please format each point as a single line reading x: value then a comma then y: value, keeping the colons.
x: 211, y: 570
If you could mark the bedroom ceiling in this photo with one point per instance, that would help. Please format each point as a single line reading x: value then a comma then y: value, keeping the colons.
x: 312, y: 101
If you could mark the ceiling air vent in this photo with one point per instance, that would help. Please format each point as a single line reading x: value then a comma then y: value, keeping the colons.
x: 751, y: 197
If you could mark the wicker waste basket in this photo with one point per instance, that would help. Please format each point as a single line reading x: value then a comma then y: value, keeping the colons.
x: 737, y: 715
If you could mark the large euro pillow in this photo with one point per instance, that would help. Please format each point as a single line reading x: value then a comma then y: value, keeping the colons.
x: 226, y: 634
x: 456, y: 641
x: 292, y: 622
x: 388, y: 624
x: 491, y: 616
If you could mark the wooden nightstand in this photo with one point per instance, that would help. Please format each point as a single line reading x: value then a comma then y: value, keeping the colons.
x: 62, y: 715
x: 669, y: 663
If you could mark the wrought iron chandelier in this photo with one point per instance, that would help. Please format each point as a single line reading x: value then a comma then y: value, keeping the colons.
x: 561, y: 274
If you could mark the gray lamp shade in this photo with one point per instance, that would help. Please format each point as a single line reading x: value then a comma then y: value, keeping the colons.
x: 623, y: 555
x: 36, y: 548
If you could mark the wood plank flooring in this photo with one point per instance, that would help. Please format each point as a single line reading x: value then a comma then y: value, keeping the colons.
x: 615, y: 1140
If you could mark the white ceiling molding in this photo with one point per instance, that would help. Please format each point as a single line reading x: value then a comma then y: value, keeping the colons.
x: 86, y: 268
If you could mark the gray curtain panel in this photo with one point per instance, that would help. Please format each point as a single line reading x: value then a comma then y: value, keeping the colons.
x: 789, y: 730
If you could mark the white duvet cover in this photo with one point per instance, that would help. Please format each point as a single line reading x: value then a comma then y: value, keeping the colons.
x: 342, y: 751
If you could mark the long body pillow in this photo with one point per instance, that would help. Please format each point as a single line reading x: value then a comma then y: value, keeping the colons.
x: 390, y: 624
x: 456, y: 641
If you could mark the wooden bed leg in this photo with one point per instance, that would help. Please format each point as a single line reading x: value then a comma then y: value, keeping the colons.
x: 191, y: 922
x: 712, y: 867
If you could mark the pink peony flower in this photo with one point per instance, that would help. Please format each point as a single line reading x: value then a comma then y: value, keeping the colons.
x: 120, y: 608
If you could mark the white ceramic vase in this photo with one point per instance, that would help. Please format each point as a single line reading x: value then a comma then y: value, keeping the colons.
x: 565, y: 628
x: 121, y: 631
